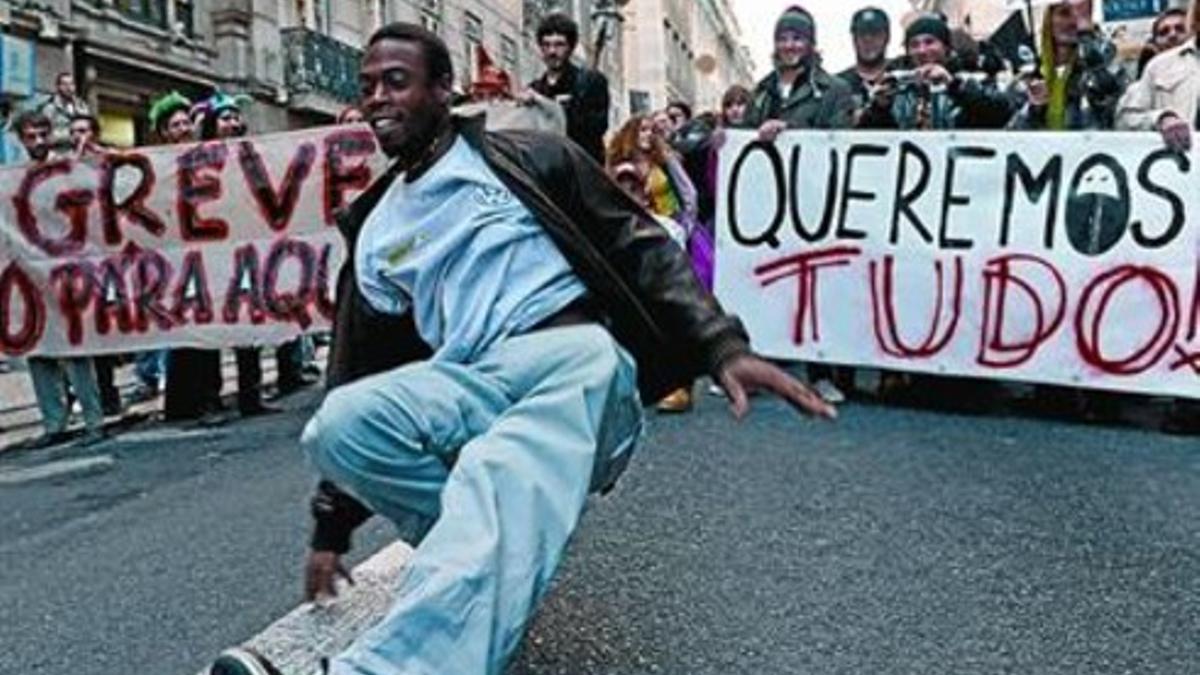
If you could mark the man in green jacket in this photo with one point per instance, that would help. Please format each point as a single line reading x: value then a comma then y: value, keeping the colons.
x: 798, y: 94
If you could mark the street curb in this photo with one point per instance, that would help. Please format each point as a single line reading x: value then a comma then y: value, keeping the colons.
x: 60, y: 469
x: 297, y: 642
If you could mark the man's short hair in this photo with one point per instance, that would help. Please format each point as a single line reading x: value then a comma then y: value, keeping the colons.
x: 1166, y: 14
x: 31, y: 118
x: 437, y: 56
x: 93, y: 123
x: 58, y: 78
x: 559, y: 24
x: 687, y: 109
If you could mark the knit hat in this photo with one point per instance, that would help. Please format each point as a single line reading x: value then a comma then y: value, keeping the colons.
x: 869, y: 20
x: 928, y: 24
x: 798, y: 20
x: 165, y: 106
x: 213, y: 105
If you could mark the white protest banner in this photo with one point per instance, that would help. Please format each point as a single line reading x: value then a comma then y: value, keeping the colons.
x: 1068, y: 258
x: 207, y: 244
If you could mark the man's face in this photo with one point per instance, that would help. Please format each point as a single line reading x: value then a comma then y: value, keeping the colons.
x: 1064, y: 25
x: 179, y: 127
x: 1170, y: 32
x: 399, y: 101
x: 870, y: 48
x: 36, y: 140
x: 792, y: 48
x: 556, y: 51
x: 230, y: 123
x: 66, y: 86
x: 927, y: 50
x: 81, y: 133
x: 678, y: 117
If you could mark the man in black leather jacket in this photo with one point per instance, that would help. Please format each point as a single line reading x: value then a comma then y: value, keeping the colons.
x: 465, y: 402
x: 582, y: 92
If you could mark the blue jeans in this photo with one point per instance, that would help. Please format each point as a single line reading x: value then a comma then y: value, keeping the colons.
x: 498, y: 456
x: 47, y: 376
x: 150, y: 367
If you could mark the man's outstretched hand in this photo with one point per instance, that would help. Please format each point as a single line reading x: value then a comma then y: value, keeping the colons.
x: 745, y: 374
x: 321, y: 573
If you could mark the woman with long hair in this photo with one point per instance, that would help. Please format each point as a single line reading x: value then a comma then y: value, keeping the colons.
x: 1078, y: 82
x: 668, y: 190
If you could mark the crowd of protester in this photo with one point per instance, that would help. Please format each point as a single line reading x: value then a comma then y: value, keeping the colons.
x: 1067, y: 76
x: 1069, y: 79
x: 189, y: 381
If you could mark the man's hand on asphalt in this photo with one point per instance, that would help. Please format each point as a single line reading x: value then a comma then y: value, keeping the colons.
x: 746, y: 374
x: 1176, y: 132
x: 321, y: 574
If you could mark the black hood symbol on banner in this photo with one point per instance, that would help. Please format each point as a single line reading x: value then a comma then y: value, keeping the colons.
x: 1098, y: 206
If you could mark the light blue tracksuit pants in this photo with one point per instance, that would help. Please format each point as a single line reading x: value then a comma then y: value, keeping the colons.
x: 499, y: 455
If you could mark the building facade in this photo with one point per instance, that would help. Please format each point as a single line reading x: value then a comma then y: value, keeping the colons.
x: 299, y: 59
x: 685, y: 50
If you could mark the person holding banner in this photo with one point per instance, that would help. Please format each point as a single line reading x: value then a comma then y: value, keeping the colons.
x: 1078, y: 83
x: 503, y: 310
x: 1076, y: 88
x: 170, y: 123
x: 1167, y: 99
x: 871, y: 30
x: 60, y: 108
x: 34, y: 131
x: 798, y: 94
x: 194, y: 377
x: 1169, y: 30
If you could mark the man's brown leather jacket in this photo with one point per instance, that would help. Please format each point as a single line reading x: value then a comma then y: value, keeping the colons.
x: 639, y: 279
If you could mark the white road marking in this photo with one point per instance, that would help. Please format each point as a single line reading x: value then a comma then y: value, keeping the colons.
x: 297, y: 642
x: 66, y: 467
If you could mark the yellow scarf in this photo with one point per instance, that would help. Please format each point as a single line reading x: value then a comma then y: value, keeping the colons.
x: 1056, y: 82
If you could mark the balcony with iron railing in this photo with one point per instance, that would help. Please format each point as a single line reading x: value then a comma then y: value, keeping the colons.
x: 319, y: 64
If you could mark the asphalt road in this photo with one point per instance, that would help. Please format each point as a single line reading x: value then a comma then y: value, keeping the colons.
x: 895, y: 541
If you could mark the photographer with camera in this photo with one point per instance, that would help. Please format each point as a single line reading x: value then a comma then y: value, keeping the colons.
x: 1074, y: 86
x: 1077, y: 84
x: 927, y: 88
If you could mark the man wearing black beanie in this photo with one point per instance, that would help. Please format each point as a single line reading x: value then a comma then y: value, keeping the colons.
x: 871, y: 31
x: 924, y: 92
x: 799, y: 94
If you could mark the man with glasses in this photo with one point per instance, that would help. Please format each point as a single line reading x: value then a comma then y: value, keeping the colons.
x: 1169, y: 30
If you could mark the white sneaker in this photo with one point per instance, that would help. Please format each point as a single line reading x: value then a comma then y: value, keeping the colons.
x: 715, y: 389
x: 829, y: 391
